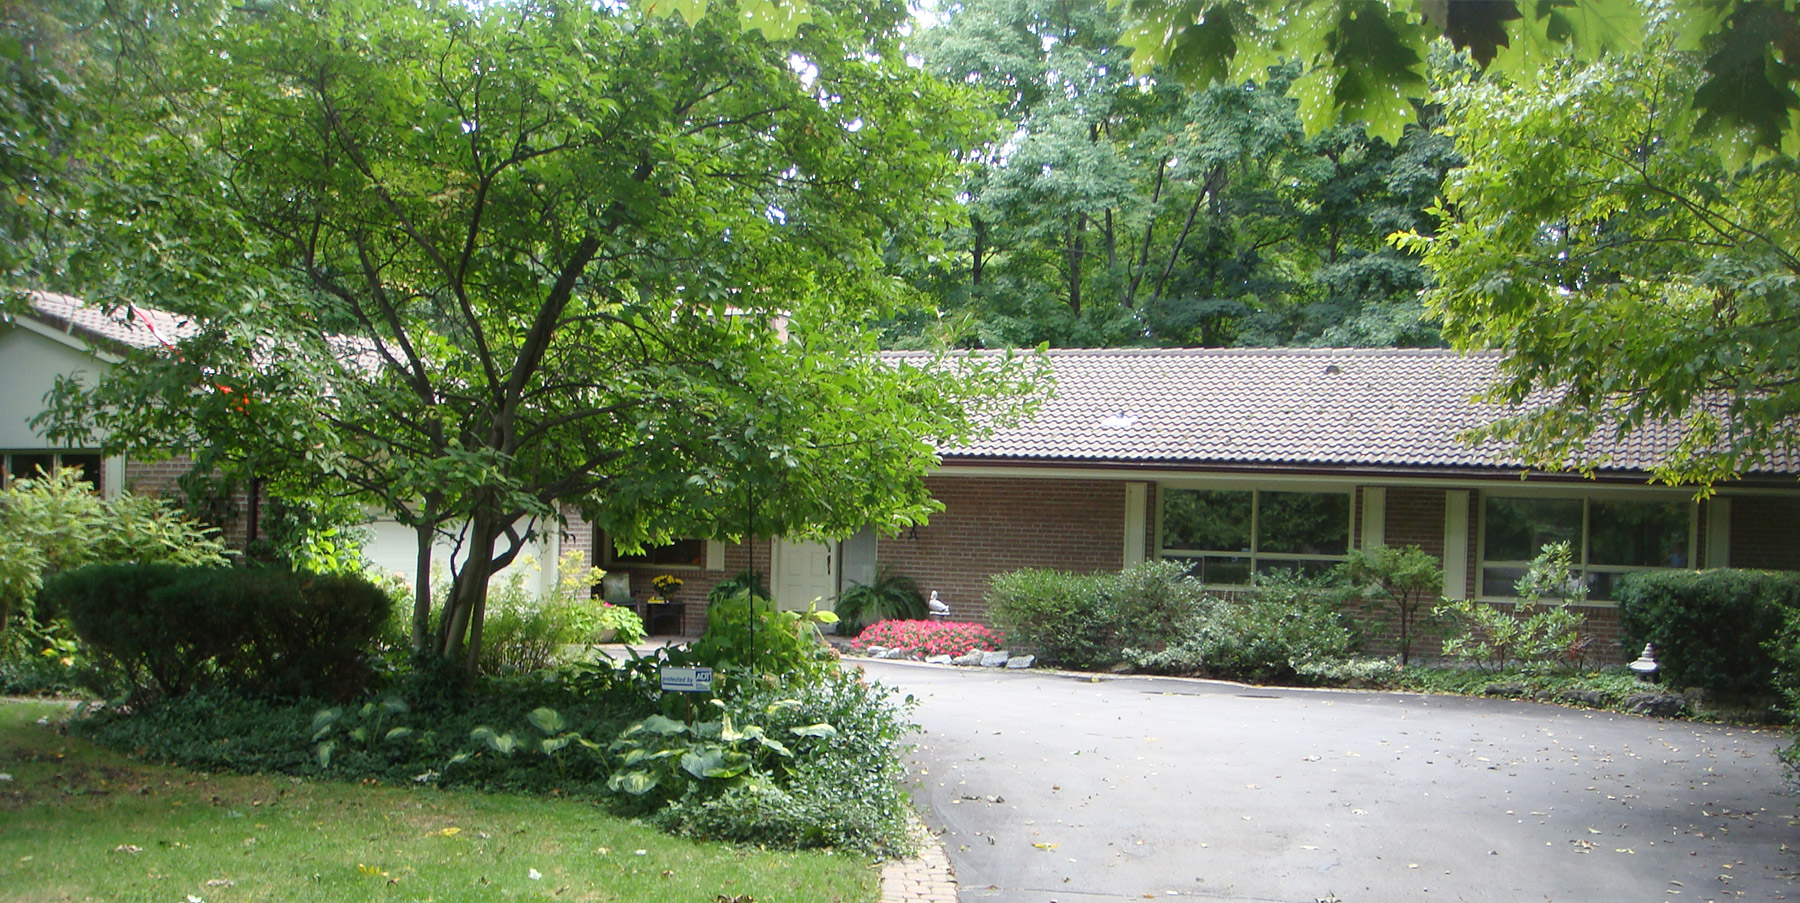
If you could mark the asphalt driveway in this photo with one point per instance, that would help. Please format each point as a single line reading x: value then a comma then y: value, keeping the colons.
x: 1064, y: 788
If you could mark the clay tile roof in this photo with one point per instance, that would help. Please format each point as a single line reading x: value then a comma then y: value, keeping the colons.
x: 1278, y: 407
x: 131, y: 326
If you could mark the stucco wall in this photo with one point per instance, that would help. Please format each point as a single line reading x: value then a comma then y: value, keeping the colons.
x: 31, y: 363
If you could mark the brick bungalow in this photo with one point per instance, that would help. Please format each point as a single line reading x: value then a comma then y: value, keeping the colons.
x: 1245, y: 460
x: 1235, y: 460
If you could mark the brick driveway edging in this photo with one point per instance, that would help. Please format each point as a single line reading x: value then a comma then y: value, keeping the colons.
x: 927, y: 878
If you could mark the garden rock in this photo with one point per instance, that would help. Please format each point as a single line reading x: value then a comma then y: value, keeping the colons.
x: 937, y: 659
x: 972, y: 657
x: 1511, y: 691
x: 875, y: 651
x: 1021, y: 661
x: 994, y: 659
x: 1656, y: 705
x: 1593, y: 698
x: 893, y: 653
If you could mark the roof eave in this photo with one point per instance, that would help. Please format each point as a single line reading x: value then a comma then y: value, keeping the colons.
x: 1373, y: 471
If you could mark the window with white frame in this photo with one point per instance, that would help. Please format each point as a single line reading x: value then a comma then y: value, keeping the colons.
x: 23, y: 465
x: 1607, y: 537
x: 1230, y: 535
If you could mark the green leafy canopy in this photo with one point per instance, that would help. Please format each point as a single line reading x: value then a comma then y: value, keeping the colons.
x: 478, y: 265
x: 1363, y: 58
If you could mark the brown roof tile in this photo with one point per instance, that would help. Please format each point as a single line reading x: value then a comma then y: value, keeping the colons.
x: 1287, y: 407
x: 131, y: 326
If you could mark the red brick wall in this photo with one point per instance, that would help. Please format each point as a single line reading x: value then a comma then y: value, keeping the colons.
x: 1415, y: 517
x: 1765, y: 533
x: 161, y: 479
x: 991, y: 525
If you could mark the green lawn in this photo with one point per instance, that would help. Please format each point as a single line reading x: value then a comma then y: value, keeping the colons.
x: 82, y: 823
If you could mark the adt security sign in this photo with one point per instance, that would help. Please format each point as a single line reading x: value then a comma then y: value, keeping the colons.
x: 687, y: 680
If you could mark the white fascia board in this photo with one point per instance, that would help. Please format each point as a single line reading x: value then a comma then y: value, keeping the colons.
x: 31, y: 324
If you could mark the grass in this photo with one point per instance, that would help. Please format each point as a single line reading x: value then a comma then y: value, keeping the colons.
x: 78, y: 823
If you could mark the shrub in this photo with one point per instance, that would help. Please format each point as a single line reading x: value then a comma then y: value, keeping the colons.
x: 1067, y: 619
x: 57, y: 522
x: 318, y: 534
x: 45, y: 660
x: 1153, y: 604
x: 1491, y: 637
x: 1352, y: 672
x: 1408, y: 579
x: 518, y: 634
x: 921, y: 638
x: 172, y: 629
x: 748, y: 632
x: 292, y: 635
x: 891, y: 596
x: 1710, y: 627
x: 1281, y: 627
x: 742, y: 582
x: 592, y: 621
x: 522, y: 633
x: 589, y: 619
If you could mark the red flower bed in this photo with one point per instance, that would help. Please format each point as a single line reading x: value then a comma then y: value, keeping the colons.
x: 923, y: 638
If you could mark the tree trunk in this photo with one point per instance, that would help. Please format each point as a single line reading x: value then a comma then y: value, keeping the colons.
x: 421, y: 617
x: 980, y: 250
x: 1077, y: 248
x: 1143, y: 261
x: 468, y: 594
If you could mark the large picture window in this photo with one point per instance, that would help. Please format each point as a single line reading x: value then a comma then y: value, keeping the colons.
x: 1606, y: 538
x: 1231, y: 535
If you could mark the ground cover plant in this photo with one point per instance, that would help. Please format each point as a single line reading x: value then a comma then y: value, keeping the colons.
x: 80, y: 822
x: 790, y: 750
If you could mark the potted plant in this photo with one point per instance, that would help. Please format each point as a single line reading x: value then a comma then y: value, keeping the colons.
x: 666, y: 585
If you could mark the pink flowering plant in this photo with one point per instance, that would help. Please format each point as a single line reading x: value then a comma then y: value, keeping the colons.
x: 923, y: 638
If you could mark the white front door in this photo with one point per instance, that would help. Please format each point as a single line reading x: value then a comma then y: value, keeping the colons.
x: 804, y: 571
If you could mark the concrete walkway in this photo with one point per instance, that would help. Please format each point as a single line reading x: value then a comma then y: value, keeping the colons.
x: 1073, y: 789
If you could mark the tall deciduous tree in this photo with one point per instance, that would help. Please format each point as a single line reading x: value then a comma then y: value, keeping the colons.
x: 1116, y: 207
x: 1365, y: 59
x: 1634, y: 278
x: 475, y: 263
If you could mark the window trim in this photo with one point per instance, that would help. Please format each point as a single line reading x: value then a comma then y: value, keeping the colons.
x: 1253, y: 554
x: 1579, y: 557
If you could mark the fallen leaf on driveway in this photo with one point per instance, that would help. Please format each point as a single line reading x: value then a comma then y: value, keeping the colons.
x: 1045, y: 846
